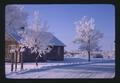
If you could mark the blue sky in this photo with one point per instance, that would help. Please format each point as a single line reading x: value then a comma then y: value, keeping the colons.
x: 61, y: 18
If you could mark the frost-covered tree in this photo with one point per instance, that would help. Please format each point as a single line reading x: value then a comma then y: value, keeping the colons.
x: 41, y: 37
x: 37, y: 37
x: 15, y: 17
x: 37, y: 24
x: 36, y: 21
x: 86, y: 35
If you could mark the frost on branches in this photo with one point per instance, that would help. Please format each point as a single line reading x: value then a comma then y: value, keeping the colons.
x: 15, y: 18
x: 37, y: 36
x: 86, y: 35
x: 37, y: 24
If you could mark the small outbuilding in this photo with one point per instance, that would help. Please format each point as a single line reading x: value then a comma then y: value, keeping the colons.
x: 57, y: 52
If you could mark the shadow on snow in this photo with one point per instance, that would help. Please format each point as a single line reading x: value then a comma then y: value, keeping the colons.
x: 77, y: 64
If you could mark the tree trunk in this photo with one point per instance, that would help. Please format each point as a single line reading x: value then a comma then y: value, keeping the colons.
x: 21, y: 55
x: 16, y: 61
x: 37, y: 57
x: 36, y: 62
x: 12, y: 61
x: 89, y: 49
x: 88, y: 55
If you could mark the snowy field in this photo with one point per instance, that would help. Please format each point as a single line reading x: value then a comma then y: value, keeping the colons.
x: 69, y: 68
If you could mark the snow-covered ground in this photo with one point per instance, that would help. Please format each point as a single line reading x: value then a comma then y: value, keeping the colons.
x: 69, y: 68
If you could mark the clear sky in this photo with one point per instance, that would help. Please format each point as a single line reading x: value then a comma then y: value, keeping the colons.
x: 61, y: 18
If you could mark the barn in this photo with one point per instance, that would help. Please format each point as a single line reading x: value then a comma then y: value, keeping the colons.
x: 56, y: 54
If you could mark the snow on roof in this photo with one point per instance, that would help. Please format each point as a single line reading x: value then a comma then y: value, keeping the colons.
x: 54, y: 41
x: 15, y: 36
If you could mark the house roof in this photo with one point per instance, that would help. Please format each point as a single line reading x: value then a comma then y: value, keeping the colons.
x: 14, y: 35
x: 54, y: 41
